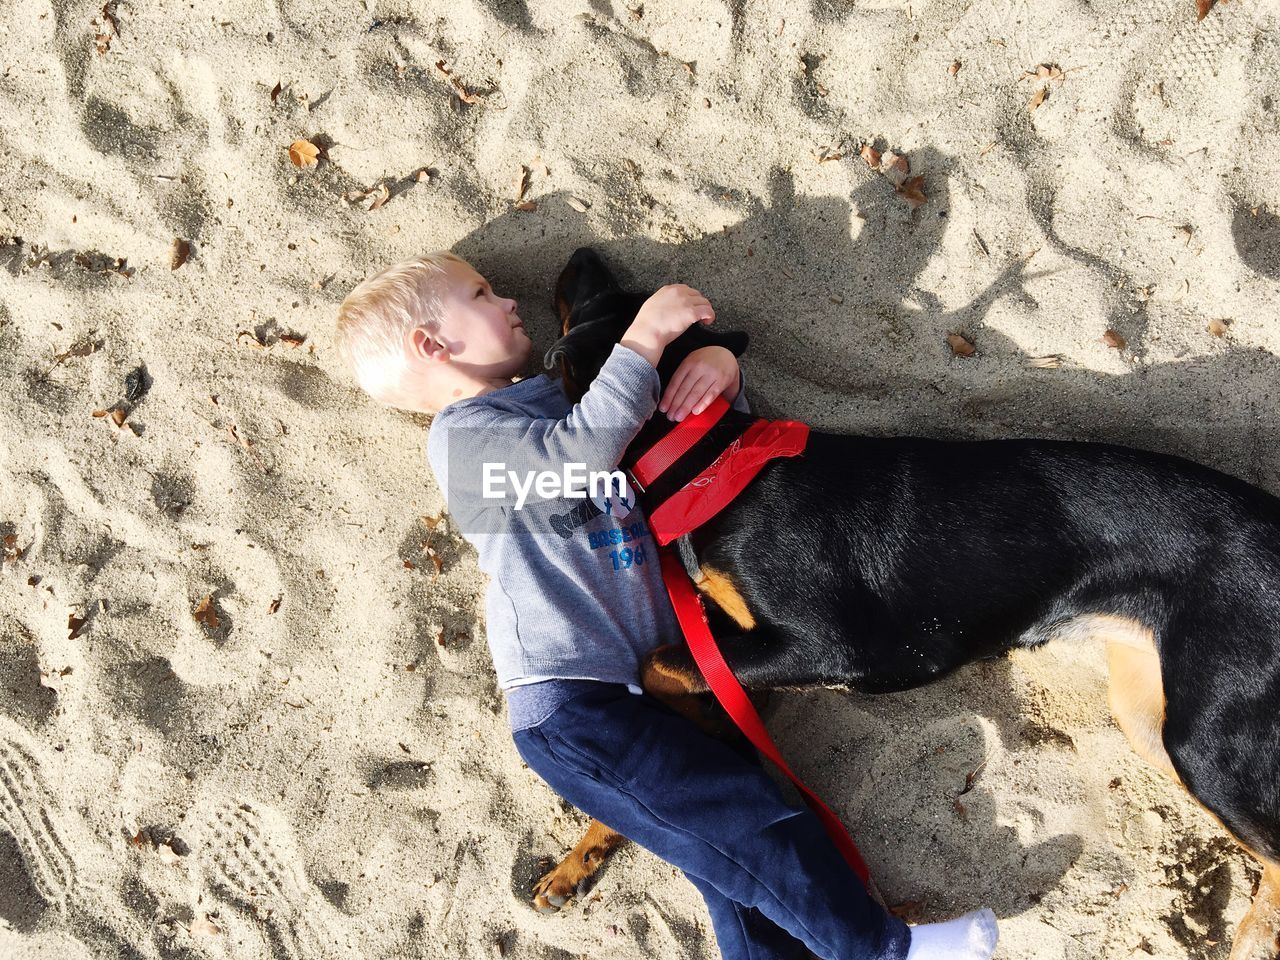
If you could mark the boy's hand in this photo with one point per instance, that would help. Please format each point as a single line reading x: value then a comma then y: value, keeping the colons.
x: 663, y: 317
x: 703, y: 375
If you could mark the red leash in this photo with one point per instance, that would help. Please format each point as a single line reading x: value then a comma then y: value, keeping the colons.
x: 725, y: 686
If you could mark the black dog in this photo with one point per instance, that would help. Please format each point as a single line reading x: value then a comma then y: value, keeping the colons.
x: 882, y: 564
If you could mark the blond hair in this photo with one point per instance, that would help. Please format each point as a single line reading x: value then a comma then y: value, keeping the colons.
x: 376, y: 317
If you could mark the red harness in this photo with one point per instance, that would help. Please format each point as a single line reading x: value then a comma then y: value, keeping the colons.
x: 688, y: 508
x: 715, y: 487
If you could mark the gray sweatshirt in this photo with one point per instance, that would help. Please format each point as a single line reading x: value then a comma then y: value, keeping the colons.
x: 575, y: 587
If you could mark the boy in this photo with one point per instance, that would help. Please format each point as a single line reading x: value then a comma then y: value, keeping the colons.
x: 569, y: 620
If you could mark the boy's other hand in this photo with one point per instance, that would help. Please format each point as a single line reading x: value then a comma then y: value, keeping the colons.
x: 663, y: 317
x: 703, y: 375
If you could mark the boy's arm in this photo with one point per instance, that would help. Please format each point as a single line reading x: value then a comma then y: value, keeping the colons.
x: 594, y: 433
x: 465, y: 438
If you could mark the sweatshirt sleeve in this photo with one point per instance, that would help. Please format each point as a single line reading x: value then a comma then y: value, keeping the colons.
x: 595, y: 432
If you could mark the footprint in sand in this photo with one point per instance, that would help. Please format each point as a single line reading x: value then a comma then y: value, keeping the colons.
x: 27, y: 815
x: 249, y: 857
x: 1176, y: 62
x: 46, y: 835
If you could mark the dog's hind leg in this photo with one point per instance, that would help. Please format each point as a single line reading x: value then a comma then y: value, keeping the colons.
x: 1138, y: 702
x: 1258, y: 936
x: 1136, y: 694
x: 566, y: 880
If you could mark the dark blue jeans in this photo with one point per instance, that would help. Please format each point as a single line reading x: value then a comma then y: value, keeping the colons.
x: 773, y: 881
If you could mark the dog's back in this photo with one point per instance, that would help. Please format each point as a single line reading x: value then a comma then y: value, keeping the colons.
x: 912, y: 556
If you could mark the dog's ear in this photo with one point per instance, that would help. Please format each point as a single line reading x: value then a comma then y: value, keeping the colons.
x: 582, y: 280
x: 699, y: 336
x: 573, y: 346
x: 735, y: 341
x: 580, y: 353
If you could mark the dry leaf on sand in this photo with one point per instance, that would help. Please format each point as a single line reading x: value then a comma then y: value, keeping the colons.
x: 894, y: 162
x: 961, y: 346
x: 304, y: 154
x: 371, y: 199
x: 1050, y: 362
x: 912, y: 191
x: 205, y: 614
x: 11, y: 552
x: 458, y: 88
x: 377, y: 196
x: 202, y: 926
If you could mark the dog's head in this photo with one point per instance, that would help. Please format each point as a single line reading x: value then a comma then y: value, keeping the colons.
x: 595, y: 312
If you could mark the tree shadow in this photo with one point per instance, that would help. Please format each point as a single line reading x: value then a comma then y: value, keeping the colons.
x: 842, y: 281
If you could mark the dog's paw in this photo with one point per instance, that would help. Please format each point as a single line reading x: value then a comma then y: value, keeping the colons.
x: 559, y: 887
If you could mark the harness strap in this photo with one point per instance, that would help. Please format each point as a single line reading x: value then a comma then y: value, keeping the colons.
x: 725, y: 686
x: 716, y: 487
x: 677, y: 442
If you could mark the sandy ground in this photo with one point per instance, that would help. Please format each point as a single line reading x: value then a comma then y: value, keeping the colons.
x: 315, y: 762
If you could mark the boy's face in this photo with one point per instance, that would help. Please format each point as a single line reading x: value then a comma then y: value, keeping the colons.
x: 482, y: 331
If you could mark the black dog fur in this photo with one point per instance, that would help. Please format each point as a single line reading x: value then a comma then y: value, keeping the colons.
x: 884, y: 563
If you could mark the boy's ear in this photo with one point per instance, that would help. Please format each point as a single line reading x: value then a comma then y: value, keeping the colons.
x: 426, y: 345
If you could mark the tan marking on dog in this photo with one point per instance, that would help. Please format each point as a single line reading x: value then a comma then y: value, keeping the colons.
x: 562, y: 304
x: 721, y: 590
x: 1136, y: 695
x: 580, y: 863
x: 1258, y: 936
x: 1108, y: 626
x: 666, y: 682
x: 678, y: 689
x: 1136, y: 689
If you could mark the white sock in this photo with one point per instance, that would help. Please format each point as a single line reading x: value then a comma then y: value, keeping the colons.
x: 971, y: 937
